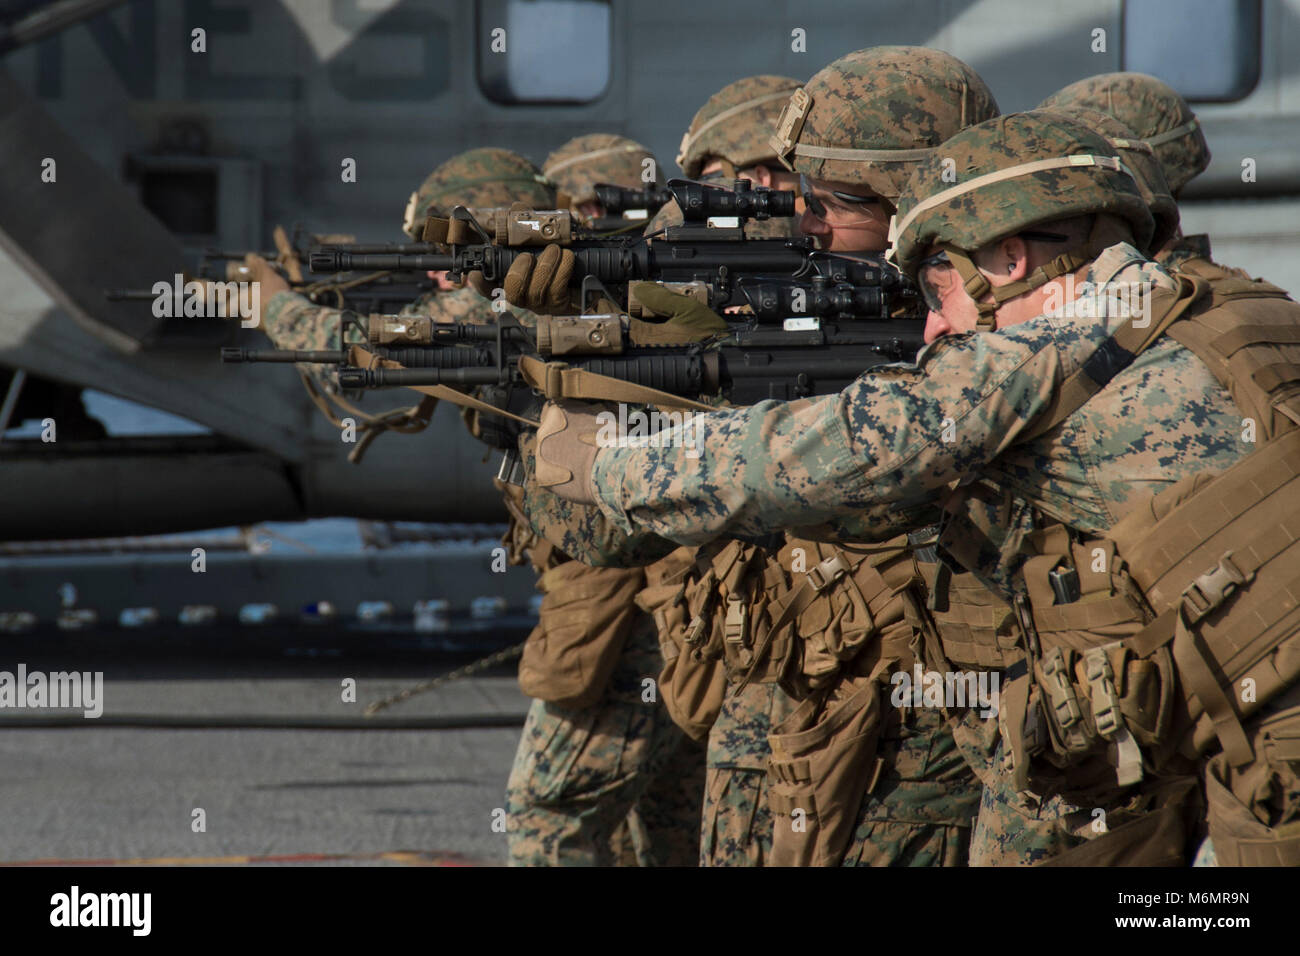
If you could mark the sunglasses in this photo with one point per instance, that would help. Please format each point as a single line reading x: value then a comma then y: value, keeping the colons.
x: 838, y: 204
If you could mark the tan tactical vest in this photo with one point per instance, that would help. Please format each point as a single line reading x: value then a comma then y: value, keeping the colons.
x: 1203, y: 581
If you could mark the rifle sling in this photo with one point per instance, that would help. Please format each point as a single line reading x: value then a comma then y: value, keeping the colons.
x: 1117, y: 353
x: 556, y: 380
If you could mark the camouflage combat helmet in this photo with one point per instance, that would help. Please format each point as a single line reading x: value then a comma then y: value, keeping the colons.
x: 1138, y: 155
x: 582, y: 162
x: 1014, y: 173
x: 871, y: 116
x: 478, y: 179
x: 734, y: 125
x: 1154, y: 111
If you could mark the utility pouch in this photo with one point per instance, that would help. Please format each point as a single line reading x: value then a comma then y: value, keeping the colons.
x: 1254, y: 816
x: 824, y: 760
x: 1094, y: 693
x: 854, y: 606
x: 585, y: 618
x: 693, y: 681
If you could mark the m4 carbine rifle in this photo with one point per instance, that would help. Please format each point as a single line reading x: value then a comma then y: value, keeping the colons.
x: 379, y: 291
x: 804, y: 322
x: 709, y: 262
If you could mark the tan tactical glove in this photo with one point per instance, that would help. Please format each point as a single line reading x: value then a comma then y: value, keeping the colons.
x: 541, y: 283
x: 677, y: 308
x: 566, y: 449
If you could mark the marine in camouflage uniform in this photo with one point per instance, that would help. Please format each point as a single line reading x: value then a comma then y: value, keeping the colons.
x: 876, y: 112
x: 876, y: 451
x: 582, y: 773
x: 873, y: 115
x: 726, y: 140
x: 480, y: 180
x: 1161, y: 117
x: 583, y: 788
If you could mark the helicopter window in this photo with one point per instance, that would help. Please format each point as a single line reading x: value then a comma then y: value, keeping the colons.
x: 544, y: 51
x: 1207, y: 50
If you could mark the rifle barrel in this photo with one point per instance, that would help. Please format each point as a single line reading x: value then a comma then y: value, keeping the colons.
x: 323, y: 356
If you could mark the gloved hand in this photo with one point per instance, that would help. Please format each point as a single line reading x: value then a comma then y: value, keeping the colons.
x: 677, y: 308
x: 566, y: 449
x: 541, y: 283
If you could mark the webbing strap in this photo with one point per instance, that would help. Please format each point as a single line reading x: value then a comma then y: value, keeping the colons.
x: 1245, y: 335
x: 288, y: 257
x: 1271, y: 376
x: 364, y: 358
x: 1177, y: 131
x: 690, y: 138
x: 404, y: 420
x: 554, y: 168
x: 1197, y: 677
x: 798, y: 599
x: 1195, y: 673
x: 1084, y: 615
x: 1113, y: 163
x: 557, y: 380
x: 1117, y: 353
x: 977, y: 284
x: 864, y: 155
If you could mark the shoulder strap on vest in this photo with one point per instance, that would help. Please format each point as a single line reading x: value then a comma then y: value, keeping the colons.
x: 1249, y: 338
x: 1118, y: 352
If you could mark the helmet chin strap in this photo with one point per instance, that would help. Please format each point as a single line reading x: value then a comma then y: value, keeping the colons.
x: 1104, y: 233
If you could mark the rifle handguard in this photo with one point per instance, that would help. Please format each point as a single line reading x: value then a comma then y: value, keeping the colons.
x: 579, y: 335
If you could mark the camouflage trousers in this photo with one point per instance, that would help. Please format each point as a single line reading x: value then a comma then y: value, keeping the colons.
x: 919, y: 813
x: 602, y: 785
x: 925, y: 800
x: 736, y: 828
x: 1015, y: 829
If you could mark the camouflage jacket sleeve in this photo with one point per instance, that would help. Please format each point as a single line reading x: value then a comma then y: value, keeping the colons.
x: 895, y: 439
x: 292, y: 321
x: 466, y: 305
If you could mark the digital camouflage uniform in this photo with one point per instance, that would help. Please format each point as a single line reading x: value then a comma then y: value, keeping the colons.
x: 736, y: 825
x: 877, y: 448
x: 1159, y: 115
x: 585, y: 785
x: 583, y: 773
x: 876, y: 451
x: 865, y: 106
x: 920, y: 811
x: 731, y: 128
